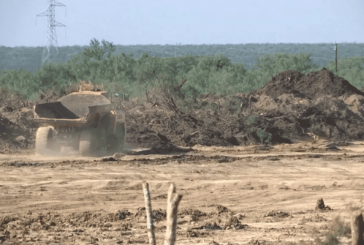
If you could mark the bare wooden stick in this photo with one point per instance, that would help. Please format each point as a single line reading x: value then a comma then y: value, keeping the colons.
x: 148, y: 209
x: 357, y: 228
x: 171, y: 191
x: 173, y: 201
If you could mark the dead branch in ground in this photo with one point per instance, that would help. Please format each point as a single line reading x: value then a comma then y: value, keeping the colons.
x: 172, y: 207
x: 148, y: 209
x: 173, y: 201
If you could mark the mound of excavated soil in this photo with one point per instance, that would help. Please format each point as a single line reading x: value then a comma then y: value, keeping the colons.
x: 311, y: 86
x: 17, y: 130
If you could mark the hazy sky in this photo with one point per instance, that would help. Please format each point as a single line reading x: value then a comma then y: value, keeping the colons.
x: 162, y: 22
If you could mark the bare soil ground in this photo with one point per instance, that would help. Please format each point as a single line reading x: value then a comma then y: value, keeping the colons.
x: 231, y: 195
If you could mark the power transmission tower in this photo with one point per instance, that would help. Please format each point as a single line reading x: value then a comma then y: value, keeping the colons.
x: 52, y: 23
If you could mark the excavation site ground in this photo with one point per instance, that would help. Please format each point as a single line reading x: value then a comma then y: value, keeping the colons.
x: 231, y: 195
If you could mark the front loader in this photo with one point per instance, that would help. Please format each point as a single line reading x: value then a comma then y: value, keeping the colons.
x: 82, y: 120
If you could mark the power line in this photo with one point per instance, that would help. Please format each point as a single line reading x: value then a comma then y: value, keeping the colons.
x: 52, y: 23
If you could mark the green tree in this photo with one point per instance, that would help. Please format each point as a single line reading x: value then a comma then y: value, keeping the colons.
x: 96, y: 52
x: 352, y: 69
x: 214, y: 74
x: 53, y: 76
x: 274, y: 64
x: 19, y: 82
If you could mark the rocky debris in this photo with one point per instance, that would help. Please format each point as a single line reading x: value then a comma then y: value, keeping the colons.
x: 33, y: 228
x: 277, y: 213
x: 157, y: 215
x: 123, y: 214
x: 211, y: 226
x: 320, y: 205
x: 314, y: 218
x: 223, y: 219
x: 233, y: 223
x: 193, y: 213
x: 221, y: 209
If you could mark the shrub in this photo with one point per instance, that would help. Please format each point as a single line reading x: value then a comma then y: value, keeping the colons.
x: 336, y: 228
x: 251, y: 120
x: 264, y: 136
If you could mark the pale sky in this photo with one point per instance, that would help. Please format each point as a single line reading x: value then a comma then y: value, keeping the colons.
x: 130, y: 22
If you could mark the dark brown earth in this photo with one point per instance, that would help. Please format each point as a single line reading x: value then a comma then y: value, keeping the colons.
x: 311, y: 86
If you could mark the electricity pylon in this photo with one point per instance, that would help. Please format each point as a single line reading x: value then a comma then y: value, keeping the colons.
x: 52, y: 23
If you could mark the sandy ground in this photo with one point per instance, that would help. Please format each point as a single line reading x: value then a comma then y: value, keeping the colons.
x: 75, y: 200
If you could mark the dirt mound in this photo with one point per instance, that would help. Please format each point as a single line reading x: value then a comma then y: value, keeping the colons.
x: 310, y: 86
x: 17, y: 130
x: 193, y: 213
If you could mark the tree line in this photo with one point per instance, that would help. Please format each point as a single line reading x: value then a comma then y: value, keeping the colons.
x: 136, y: 76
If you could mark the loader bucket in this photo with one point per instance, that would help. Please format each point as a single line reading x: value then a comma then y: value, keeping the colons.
x: 54, y: 110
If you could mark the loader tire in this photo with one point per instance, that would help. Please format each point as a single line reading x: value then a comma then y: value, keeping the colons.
x: 44, y: 140
x: 92, y: 141
x: 116, y: 140
x: 120, y: 134
x: 86, y: 142
x: 112, y: 144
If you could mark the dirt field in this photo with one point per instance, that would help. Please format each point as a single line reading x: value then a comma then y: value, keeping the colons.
x: 231, y: 195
